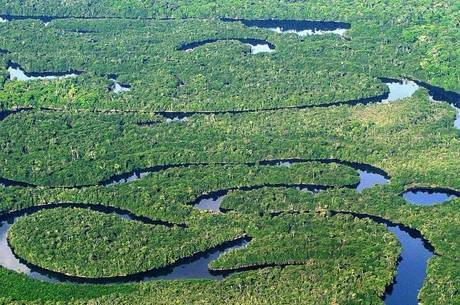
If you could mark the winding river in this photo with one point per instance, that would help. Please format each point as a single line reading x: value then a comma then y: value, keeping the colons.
x: 17, y: 73
x: 193, y: 267
x: 369, y: 174
x: 416, y: 250
x: 411, y: 269
x: 412, y: 264
x: 211, y: 201
x: 398, y: 89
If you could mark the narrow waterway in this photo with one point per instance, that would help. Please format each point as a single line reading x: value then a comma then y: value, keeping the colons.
x: 298, y: 27
x: 412, y: 264
x: 193, y: 267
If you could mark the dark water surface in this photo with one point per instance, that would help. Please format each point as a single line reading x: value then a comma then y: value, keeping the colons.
x: 193, y: 267
x: 413, y: 261
x: 257, y: 45
x: 298, y: 27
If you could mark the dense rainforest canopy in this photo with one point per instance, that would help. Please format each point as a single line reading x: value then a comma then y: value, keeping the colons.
x: 277, y: 142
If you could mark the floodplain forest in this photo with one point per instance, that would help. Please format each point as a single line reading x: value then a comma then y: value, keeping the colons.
x: 229, y: 152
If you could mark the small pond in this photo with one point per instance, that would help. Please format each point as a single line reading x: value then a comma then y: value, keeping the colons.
x: 429, y: 196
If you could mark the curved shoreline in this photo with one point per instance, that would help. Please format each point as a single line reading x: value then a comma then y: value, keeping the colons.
x: 437, y: 93
x: 106, y: 209
x: 211, y: 201
x: 138, y: 174
x: 405, y: 234
x: 429, y: 196
x: 412, y: 263
x: 248, y: 41
x: 15, y: 69
x: 169, y: 272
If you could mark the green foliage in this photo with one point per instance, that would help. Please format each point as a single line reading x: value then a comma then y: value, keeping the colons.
x: 36, y: 149
x: 343, y: 261
x: 167, y: 194
x: 19, y: 287
x: 107, y: 244
x: 267, y: 200
x: 163, y: 78
x: 300, y: 238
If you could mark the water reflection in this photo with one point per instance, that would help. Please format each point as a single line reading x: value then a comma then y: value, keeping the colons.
x: 457, y: 120
x: 427, y: 197
x: 211, y: 203
x: 400, y: 89
x: 257, y: 45
x: 411, y: 270
x: 9, y: 261
x: 279, y: 30
x: 16, y: 73
x: 260, y: 48
x: 368, y: 179
x: 298, y: 27
x: 193, y: 267
x: 118, y: 88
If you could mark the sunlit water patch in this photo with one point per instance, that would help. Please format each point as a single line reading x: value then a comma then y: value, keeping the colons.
x: 369, y: 179
x: 279, y: 30
x: 261, y: 48
x: 428, y: 196
x: 457, y: 120
x: 118, y: 87
x: 257, y: 45
x: 369, y: 176
x: 176, y: 120
x: 399, y: 89
x: 16, y: 73
x: 9, y: 261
